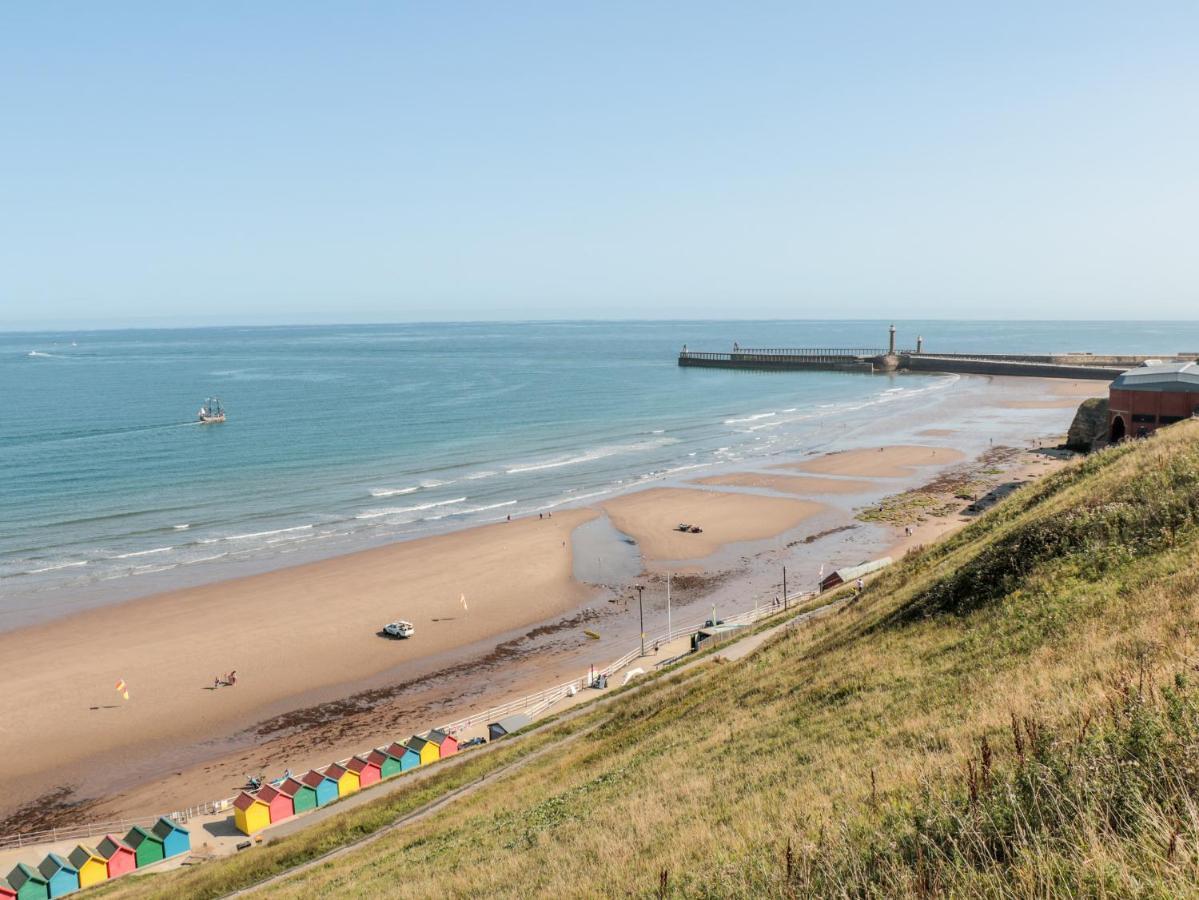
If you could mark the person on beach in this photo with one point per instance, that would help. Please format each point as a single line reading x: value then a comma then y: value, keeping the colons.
x: 540, y: 516
x: 216, y: 682
x: 233, y: 677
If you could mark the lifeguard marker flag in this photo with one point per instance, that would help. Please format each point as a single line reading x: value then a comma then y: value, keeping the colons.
x: 122, y: 688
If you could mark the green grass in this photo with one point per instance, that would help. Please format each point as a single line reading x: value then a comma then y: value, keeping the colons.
x: 1007, y: 713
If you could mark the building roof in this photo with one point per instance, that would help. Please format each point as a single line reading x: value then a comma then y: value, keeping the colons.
x: 398, y: 750
x: 81, y: 855
x: 335, y: 771
x: 111, y: 845
x: 53, y: 863
x: 137, y: 835
x: 22, y: 873
x: 1162, y: 378
x: 312, y: 778
x: 439, y: 737
x: 165, y: 826
x: 850, y: 572
x: 292, y: 786
x: 378, y: 757
x: 245, y: 800
x: 269, y: 792
x: 416, y: 742
x: 513, y: 723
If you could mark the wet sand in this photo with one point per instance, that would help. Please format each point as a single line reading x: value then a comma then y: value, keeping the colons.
x: 897, y: 461
x: 789, y: 484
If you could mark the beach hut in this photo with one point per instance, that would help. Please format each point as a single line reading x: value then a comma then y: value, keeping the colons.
x: 447, y: 744
x: 280, y: 804
x: 325, y: 787
x: 6, y: 891
x: 175, y: 838
x: 62, y: 877
x: 347, y: 781
x: 303, y: 798
x: 250, y: 814
x: 120, y: 856
x: 27, y: 883
x: 409, y: 758
x: 427, y: 749
x: 92, y: 867
x: 507, y: 725
x: 147, y: 846
x: 388, y: 765
x: 368, y: 772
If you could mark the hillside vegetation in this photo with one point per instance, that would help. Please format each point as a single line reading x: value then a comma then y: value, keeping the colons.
x: 1011, y: 712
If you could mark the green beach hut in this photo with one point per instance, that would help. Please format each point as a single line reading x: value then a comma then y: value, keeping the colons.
x: 147, y: 846
x: 303, y: 798
x: 388, y: 764
x: 28, y: 883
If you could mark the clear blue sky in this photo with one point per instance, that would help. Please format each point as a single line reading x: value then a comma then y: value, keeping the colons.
x: 298, y: 162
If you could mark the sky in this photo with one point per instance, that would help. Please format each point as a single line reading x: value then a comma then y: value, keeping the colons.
x: 341, y: 162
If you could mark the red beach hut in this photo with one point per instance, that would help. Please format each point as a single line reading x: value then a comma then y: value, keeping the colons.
x: 368, y: 772
x: 6, y: 892
x: 120, y: 856
x: 282, y: 806
x: 446, y: 743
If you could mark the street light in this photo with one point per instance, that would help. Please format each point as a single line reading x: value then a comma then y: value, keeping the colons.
x: 641, y: 613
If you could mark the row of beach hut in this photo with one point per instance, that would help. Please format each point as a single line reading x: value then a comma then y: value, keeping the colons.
x: 84, y: 866
x: 252, y: 812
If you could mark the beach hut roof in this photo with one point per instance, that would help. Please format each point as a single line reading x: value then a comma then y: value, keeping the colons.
x: 269, y: 792
x: 291, y: 787
x: 164, y: 826
x: 110, y: 844
x: 437, y: 736
x: 358, y: 763
x: 397, y: 749
x: 335, y: 771
x: 245, y: 800
x: 81, y: 854
x: 416, y: 742
x: 378, y: 757
x: 851, y: 572
x: 313, y: 778
x: 22, y: 873
x: 54, y: 863
x: 137, y: 835
x: 514, y: 722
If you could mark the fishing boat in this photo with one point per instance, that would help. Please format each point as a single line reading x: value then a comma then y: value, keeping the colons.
x: 212, y: 413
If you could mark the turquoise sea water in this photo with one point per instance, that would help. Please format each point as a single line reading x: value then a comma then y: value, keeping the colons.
x: 340, y: 437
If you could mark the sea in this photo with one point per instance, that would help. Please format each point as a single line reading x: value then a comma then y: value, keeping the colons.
x: 344, y: 437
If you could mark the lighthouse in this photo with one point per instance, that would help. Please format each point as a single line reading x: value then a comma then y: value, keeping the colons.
x: 891, y: 345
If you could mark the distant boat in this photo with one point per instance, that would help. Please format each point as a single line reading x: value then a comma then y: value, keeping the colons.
x: 212, y: 413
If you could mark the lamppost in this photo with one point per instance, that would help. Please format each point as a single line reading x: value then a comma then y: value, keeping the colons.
x: 641, y: 614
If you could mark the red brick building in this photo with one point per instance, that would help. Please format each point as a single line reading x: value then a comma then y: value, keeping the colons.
x: 1144, y: 399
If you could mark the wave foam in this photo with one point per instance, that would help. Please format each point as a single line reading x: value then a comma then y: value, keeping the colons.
x: 591, y: 455
x: 400, y: 510
x: 394, y: 492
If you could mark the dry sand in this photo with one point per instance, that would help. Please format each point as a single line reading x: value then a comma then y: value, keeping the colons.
x: 650, y: 517
x: 789, y: 484
x: 284, y: 632
x: 898, y: 461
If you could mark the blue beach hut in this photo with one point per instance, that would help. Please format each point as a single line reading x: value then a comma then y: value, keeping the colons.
x: 175, y: 838
x: 325, y: 787
x: 409, y: 758
x: 60, y: 875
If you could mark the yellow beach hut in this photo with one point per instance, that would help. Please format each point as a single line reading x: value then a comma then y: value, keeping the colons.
x: 347, y: 780
x: 93, y: 868
x: 429, y: 751
x: 250, y: 814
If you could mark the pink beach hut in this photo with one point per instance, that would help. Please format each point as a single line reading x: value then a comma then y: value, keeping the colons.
x: 7, y: 892
x: 368, y: 772
x: 446, y: 743
x: 120, y: 856
x: 281, y: 805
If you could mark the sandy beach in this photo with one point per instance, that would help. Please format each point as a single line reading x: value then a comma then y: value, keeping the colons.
x: 316, y: 682
x: 1066, y: 395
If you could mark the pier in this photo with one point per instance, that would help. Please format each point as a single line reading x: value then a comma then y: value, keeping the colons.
x: 1099, y: 367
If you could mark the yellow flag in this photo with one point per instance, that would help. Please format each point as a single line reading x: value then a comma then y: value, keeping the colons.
x: 122, y: 688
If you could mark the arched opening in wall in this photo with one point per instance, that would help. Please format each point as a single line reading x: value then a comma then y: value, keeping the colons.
x: 1118, y: 429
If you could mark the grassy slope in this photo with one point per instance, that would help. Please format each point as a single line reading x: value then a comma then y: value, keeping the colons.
x: 1007, y: 714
